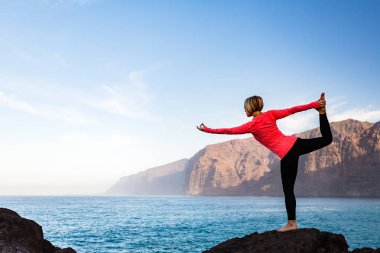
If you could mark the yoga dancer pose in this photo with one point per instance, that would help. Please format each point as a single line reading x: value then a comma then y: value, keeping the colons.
x: 288, y: 148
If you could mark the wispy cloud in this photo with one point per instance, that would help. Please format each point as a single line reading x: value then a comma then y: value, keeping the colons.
x: 130, y: 99
x: 336, y: 112
x: 340, y: 111
x: 298, y: 123
x: 27, y: 57
x: 362, y: 114
x: 67, y: 114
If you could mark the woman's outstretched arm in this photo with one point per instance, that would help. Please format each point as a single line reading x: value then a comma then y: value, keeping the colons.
x: 279, y: 114
x: 243, y: 129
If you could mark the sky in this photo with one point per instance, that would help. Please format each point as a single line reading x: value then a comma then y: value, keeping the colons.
x: 94, y: 90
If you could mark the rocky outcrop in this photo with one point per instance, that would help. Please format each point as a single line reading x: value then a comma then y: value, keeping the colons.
x: 167, y: 179
x: 20, y: 235
x: 307, y: 240
x: 349, y: 167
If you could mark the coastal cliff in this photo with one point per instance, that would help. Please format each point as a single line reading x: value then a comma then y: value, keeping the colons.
x: 349, y: 167
x: 20, y: 235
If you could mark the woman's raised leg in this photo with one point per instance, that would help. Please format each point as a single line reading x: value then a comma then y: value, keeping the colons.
x: 309, y: 145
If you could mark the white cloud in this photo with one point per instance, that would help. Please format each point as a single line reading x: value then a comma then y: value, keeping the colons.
x: 130, y: 99
x: 363, y: 114
x: 307, y: 120
x: 67, y: 114
x: 13, y: 103
x: 336, y: 113
x: 298, y: 123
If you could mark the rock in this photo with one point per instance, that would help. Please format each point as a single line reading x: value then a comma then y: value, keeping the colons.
x: 65, y: 250
x: 225, y: 168
x: 20, y: 235
x: 50, y: 248
x: 306, y: 240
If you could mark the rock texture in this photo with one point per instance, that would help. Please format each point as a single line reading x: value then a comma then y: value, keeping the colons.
x: 349, y: 167
x: 20, y: 235
x: 168, y: 179
x: 307, y: 240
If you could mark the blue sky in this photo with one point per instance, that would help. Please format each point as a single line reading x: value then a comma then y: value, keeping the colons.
x: 94, y: 90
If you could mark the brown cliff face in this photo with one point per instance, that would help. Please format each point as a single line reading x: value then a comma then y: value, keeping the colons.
x: 225, y: 167
x: 349, y: 167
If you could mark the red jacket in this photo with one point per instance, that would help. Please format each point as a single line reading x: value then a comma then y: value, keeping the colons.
x: 265, y: 130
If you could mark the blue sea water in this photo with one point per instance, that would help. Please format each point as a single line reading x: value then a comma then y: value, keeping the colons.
x: 187, y: 224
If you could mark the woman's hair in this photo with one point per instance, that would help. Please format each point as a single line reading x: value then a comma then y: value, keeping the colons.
x: 253, y: 104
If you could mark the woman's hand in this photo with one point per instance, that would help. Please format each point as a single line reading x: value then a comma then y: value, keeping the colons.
x: 201, y: 127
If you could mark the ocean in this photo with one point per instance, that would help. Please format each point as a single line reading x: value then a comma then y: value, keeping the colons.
x: 185, y: 223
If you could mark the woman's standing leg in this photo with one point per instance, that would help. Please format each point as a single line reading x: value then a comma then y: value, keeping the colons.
x: 289, y: 168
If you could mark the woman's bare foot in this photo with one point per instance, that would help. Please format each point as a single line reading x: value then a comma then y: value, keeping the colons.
x: 292, y: 225
x: 322, y: 104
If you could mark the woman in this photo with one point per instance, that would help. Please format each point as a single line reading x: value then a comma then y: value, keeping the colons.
x: 288, y: 148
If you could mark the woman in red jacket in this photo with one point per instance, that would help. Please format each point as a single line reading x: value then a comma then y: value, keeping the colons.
x: 288, y: 148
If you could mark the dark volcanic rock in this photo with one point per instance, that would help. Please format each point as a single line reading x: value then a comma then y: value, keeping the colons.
x: 20, y: 235
x: 307, y: 240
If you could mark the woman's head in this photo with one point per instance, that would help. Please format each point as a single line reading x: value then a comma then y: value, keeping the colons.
x: 253, y: 104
